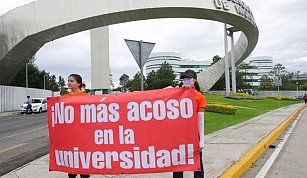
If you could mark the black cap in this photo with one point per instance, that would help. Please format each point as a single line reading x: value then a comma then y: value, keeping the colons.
x: 188, y: 74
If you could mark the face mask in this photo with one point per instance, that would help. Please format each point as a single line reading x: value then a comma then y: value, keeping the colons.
x: 188, y: 81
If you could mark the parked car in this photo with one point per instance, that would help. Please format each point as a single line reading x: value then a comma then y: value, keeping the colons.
x: 38, y: 105
x: 298, y: 97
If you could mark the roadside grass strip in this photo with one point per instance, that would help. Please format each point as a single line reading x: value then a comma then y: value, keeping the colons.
x: 245, y: 110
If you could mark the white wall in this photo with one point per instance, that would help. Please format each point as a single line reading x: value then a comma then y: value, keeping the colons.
x: 11, y: 98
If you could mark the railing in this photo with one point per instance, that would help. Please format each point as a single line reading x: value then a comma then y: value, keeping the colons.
x: 268, y: 93
x: 11, y: 98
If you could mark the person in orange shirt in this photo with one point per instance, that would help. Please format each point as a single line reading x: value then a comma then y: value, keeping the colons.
x: 189, y: 78
x: 75, y: 85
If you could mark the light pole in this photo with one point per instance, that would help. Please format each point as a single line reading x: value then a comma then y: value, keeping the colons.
x: 297, y: 89
x: 44, y: 82
x: 27, y: 84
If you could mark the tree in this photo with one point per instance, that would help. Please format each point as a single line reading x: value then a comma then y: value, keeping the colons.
x: 162, y: 78
x: 124, y: 80
x: 215, y: 59
x: 135, y: 83
x: 247, y: 76
x: 266, y: 83
x: 52, y: 84
x: 303, y: 86
x: 280, y: 73
x: 287, y: 82
x: 151, y: 80
x: 36, y: 77
x: 220, y: 84
x: 278, y: 70
x: 61, y: 85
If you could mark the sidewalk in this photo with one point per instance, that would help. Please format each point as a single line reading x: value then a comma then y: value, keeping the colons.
x: 8, y: 113
x: 222, y: 148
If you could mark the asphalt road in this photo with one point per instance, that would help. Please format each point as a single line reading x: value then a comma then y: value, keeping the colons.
x: 23, y: 138
x: 288, y: 158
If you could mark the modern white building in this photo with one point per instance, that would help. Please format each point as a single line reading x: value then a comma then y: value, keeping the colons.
x: 263, y: 66
x: 175, y: 60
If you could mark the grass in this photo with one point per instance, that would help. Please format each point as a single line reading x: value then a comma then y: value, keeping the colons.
x: 246, y: 109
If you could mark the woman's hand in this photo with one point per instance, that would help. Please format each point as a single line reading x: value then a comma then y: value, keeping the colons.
x: 200, y: 149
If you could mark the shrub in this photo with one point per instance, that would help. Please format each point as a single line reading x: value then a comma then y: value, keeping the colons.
x: 219, y: 103
x: 281, y: 98
x: 220, y: 108
x: 243, y: 98
x: 240, y: 94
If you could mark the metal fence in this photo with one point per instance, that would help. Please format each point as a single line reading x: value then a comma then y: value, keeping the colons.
x: 267, y: 93
x: 11, y: 98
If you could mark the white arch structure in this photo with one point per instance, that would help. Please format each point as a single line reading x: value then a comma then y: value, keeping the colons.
x: 24, y: 30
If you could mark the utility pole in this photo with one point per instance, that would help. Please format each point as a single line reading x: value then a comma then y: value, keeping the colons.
x: 44, y: 82
x: 27, y: 83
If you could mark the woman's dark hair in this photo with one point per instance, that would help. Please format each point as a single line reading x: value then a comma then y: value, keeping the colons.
x: 78, y: 78
x: 196, y: 86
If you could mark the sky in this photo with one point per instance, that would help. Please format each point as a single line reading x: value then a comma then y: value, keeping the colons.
x: 282, y: 35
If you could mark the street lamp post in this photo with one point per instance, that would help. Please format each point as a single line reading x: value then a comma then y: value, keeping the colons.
x: 27, y: 82
x: 44, y: 82
x: 296, y: 88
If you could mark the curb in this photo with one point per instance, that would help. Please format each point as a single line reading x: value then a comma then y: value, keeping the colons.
x: 247, y: 160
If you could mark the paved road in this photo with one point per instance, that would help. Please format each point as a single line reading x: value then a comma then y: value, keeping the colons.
x: 292, y: 160
x: 288, y: 158
x: 23, y: 138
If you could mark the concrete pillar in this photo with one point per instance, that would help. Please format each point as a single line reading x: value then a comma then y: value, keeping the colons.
x: 227, y: 81
x: 100, y: 67
x: 233, y: 65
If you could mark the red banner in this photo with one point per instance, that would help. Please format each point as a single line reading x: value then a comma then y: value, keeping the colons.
x: 126, y: 133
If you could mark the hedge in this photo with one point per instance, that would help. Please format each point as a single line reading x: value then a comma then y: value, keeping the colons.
x: 220, y: 108
x: 283, y: 98
x: 240, y: 94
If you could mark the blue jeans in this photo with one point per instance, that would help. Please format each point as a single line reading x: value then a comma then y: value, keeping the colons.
x: 29, y: 107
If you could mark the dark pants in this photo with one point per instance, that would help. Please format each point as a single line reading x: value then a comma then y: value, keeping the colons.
x: 29, y: 107
x: 305, y: 101
x: 75, y: 175
x: 197, y: 174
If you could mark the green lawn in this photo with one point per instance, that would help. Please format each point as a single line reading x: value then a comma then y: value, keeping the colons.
x: 216, y: 121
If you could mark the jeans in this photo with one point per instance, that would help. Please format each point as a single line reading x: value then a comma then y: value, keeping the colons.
x: 75, y: 175
x: 197, y: 174
x: 29, y: 107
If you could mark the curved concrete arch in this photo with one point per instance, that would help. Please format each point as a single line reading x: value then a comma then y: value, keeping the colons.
x: 24, y: 30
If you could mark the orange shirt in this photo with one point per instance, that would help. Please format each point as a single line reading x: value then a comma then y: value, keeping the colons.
x: 76, y: 94
x: 200, y: 100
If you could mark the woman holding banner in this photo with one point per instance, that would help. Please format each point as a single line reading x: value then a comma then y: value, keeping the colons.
x: 75, y: 85
x: 190, y: 80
